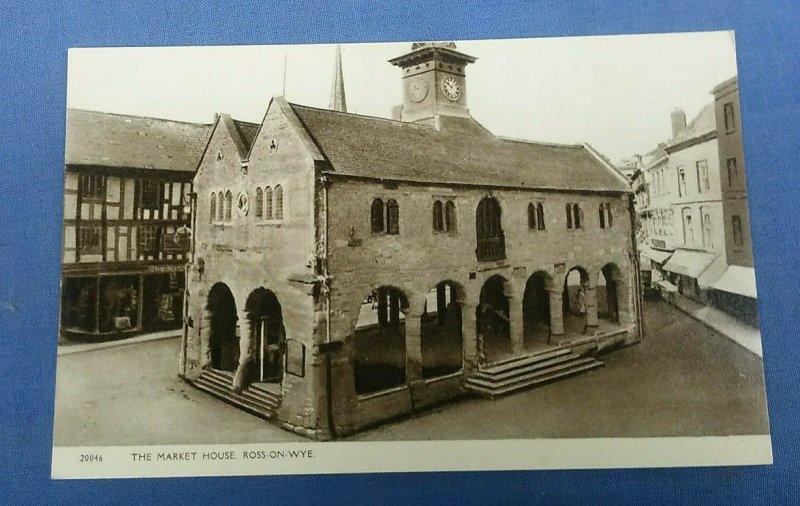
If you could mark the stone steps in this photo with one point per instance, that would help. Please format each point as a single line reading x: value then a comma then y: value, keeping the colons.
x: 255, y: 399
x: 523, y: 372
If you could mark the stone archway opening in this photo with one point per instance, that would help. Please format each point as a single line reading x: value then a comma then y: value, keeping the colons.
x: 441, y: 340
x: 493, y: 320
x: 608, y: 294
x: 223, y: 341
x: 536, y: 309
x: 380, y: 341
x: 575, y: 300
x: 268, y: 335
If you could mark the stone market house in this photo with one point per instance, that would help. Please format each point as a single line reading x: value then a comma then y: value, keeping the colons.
x: 127, y: 188
x: 348, y: 269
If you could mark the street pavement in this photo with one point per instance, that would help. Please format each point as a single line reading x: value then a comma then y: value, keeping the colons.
x: 683, y: 379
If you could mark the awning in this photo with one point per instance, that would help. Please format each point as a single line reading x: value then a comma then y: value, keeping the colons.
x: 667, y: 286
x: 689, y: 263
x: 656, y: 255
x: 739, y: 280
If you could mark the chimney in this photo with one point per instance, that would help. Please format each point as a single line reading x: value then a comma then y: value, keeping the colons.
x: 338, y: 102
x: 678, y: 118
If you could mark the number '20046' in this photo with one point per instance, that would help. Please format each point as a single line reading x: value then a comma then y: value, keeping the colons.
x: 85, y: 457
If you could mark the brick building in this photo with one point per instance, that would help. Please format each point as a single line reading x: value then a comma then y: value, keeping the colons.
x: 735, y: 290
x: 351, y: 269
x: 127, y: 187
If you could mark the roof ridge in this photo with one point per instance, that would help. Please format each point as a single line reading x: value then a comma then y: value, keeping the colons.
x: 366, y: 116
x: 539, y: 143
x: 123, y: 115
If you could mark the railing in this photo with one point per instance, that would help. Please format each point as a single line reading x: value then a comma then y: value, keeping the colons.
x: 491, y: 248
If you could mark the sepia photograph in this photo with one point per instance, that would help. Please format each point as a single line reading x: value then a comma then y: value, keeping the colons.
x: 351, y: 248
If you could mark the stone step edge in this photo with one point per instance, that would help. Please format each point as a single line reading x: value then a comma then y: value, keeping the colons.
x: 525, y: 368
x: 224, y: 385
x: 488, y: 392
x: 542, y: 355
x: 533, y: 375
x: 236, y: 400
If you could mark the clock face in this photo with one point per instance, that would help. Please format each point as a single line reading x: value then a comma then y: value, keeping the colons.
x: 451, y: 88
x: 418, y: 90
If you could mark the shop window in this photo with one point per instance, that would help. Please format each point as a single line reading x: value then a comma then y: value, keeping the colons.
x: 78, y: 304
x: 92, y: 186
x: 119, y: 303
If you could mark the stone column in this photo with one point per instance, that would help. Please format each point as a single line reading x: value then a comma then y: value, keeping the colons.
x: 413, y: 347
x: 246, y: 344
x: 469, y: 335
x: 556, y: 313
x: 517, y: 327
x: 204, y: 355
x: 591, y: 309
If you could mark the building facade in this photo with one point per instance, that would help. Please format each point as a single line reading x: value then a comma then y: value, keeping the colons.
x: 735, y: 290
x: 127, y: 187
x: 362, y: 268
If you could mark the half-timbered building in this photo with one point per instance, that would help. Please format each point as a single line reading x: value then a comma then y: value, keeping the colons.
x: 126, y: 231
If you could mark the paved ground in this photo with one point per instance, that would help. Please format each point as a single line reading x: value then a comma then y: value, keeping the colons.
x: 683, y: 380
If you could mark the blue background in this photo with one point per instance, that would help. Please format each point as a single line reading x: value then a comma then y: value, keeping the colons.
x: 34, y: 37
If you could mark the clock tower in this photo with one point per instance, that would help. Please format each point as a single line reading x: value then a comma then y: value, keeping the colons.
x: 434, y: 82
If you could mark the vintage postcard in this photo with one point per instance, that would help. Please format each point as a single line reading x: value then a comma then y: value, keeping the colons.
x: 417, y: 256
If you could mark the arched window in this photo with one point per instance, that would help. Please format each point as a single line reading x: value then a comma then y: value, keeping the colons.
x: 540, y: 216
x: 438, y: 218
x: 531, y: 217
x: 268, y: 215
x: 491, y: 241
x: 228, y: 205
x: 279, y: 202
x: 213, y: 208
x: 577, y: 217
x: 450, y: 216
x: 569, y: 215
x: 259, y: 204
x: 604, y: 213
x: 392, y: 217
x: 376, y: 216
x: 220, y: 206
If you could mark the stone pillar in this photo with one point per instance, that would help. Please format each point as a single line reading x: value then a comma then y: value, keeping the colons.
x: 469, y: 335
x: 591, y: 309
x: 204, y: 331
x: 556, y: 312
x: 517, y: 327
x: 246, y: 344
x: 413, y: 347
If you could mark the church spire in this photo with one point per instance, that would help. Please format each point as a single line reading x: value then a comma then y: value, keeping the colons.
x: 338, y: 101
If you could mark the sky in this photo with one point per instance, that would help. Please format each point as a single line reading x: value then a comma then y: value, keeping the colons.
x: 614, y: 92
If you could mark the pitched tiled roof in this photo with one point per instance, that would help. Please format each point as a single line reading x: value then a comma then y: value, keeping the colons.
x: 247, y: 132
x: 364, y: 146
x: 116, y: 140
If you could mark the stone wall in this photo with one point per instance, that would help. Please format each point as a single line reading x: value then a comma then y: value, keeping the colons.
x: 418, y: 258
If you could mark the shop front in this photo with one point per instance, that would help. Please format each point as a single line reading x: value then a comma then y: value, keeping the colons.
x: 102, y: 304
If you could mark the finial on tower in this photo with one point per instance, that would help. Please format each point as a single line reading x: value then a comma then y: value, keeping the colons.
x: 338, y: 101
